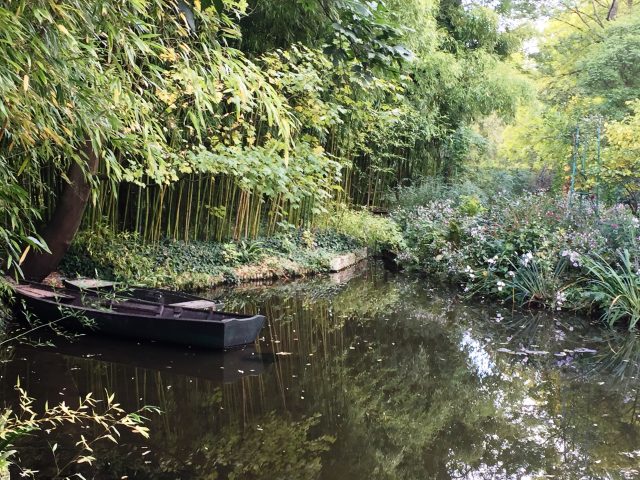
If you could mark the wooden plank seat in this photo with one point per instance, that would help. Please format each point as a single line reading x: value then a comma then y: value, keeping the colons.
x: 41, y: 293
x: 89, y: 283
x: 128, y: 306
x: 196, y: 304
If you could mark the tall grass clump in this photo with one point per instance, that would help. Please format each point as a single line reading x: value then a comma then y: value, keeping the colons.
x: 615, y: 288
x: 536, y: 284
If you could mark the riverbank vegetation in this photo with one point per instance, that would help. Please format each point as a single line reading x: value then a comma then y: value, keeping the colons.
x: 219, y: 121
x: 199, y: 265
x: 567, y: 237
x: 525, y: 246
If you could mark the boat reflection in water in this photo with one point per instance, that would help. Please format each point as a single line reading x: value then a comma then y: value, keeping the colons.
x: 217, y: 366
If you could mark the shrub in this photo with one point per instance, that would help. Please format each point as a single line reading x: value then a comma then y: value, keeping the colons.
x: 528, y: 248
x: 371, y: 230
x: 470, y: 205
x: 105, y: 254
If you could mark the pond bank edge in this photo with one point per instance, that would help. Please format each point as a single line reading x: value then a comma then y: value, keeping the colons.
x: 272, y: 267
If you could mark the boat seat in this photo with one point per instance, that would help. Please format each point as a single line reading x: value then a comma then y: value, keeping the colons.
x: 90, y: 283
x: 41, y: 293
x: 196, y: 304
x: 127, y: 306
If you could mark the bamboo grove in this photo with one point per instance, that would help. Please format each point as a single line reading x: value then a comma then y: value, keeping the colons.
x: 217, y: 120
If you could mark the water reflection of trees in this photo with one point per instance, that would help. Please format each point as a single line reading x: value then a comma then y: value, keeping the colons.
x: 424, y: 412
x: 382, y: 379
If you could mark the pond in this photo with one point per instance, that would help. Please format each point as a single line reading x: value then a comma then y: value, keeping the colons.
x: 379, y: 377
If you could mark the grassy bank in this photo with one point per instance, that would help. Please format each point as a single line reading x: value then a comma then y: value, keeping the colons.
x: 199, y: 265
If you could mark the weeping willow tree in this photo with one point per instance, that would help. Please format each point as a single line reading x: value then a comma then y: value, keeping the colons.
x: 123, y: 88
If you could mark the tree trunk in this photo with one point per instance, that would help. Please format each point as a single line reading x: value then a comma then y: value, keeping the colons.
x: 65, y: 221
x: 613, y: 10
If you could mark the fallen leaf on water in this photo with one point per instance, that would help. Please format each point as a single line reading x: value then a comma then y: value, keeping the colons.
x: 506, y: 350
x: 534, y: 352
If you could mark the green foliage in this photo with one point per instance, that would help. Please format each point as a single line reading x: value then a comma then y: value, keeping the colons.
x: 538, y: 138
x: 17, y: 217
x: 132, y: 82
x: 100, y: 423
x: 610, y: 68
x: 104, y: 254
x: 203, y: 135
x: 242, y: 253
x: 371, y: 230
x: 621, y: 156
x: 197, y: 265
x: 470, y: 205
x: 587, y: 78
x: 615, y: 288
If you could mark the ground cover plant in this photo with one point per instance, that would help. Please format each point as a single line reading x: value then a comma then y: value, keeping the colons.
x: 176, y: 264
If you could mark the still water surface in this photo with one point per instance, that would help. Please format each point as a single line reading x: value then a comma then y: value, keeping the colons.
x: 378, y: 377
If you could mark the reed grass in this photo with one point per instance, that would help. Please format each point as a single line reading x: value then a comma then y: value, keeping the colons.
x: 615, y: 288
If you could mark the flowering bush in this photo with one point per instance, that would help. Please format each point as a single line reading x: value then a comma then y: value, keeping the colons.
x: 528, y: 248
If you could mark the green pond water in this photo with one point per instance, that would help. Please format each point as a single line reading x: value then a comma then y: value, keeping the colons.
x: 378, y: 377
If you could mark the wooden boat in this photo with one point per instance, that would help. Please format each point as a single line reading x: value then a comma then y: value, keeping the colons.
x: 188, y: 322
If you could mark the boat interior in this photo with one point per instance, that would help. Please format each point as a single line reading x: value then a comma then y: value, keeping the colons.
x: 110, y: 301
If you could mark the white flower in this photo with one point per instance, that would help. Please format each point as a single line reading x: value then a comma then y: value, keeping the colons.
x: 511, y: 273
x: 493, y: 260
x: 574, y: 257
x: 526, y: 258
x: 561, y: 297
x: 500, y: 285
x: 469, y: 271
